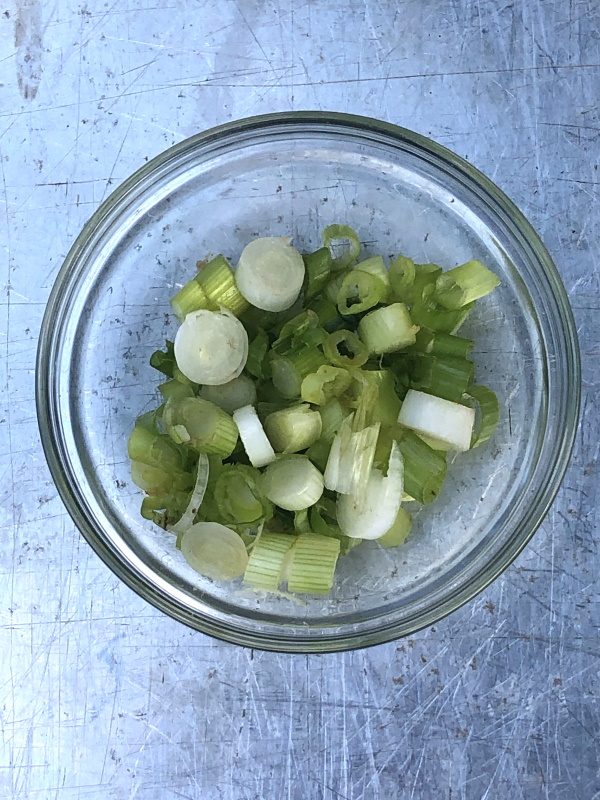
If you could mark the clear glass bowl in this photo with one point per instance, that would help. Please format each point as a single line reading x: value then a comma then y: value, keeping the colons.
x: 294, y: 174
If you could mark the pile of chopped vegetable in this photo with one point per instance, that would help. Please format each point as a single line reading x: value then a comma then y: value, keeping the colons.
x: 308, y: 397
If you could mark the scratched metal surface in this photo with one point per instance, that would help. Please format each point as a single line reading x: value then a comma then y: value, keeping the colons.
x: 103, y: 697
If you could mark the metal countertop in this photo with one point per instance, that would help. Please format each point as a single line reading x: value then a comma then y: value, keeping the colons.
x: 101, y: 696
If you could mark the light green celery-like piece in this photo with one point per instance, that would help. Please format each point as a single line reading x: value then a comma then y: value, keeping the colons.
x: 313, y: 562
x: 327, y: 382
x: 387, y: 329
x: 334, y: 234
x: 464, y: 284
x: 294, y: 428
x: 267, y: 560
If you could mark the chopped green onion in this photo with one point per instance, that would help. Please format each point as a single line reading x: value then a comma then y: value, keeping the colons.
x: 214, y: 551
x: 218, y: 281
x: 489, y: 413
x: 239, y: 497
x: 196, y: 497
x: 376, y: 266
x: 267, y: 559
x: 387, y: 329
x: 426, y: 312
x: 292, y: 482
x: 319, y: 453
x: 462, y: 285
x: 445, y: 377
x: 373, y: 512
x: 351, y: 458
x: 289, y: 372
x: 326, y: 383
x: 211, y: 347
x: 402, y: 277
x: 441, y: 419
x: 318, y: 270
x: 344, y: 349
x: 327, y: 313
x: 301, y: 523
x: 200, y: 425
x: 387, y: 406
x: 323, y: 521
x: 154, y: 449
x: 191, y: 297
x: 359, y: 292
x: 333, y: 413
x: 313, y: 561
x: 442, y: 344
x: 335, y: 233
x: 399, y: 530
x: 333, y: 287
x: 424, y: 468
x: 257, y: 363
x: 164, y: 360
x: 156, y: 480
x: 176, y: 390
x: 241, y: 391
x: 293, y: 429
x: 253, y: 436
x: 270, y: 273
x: 301, y: 331
x: 164, y: 510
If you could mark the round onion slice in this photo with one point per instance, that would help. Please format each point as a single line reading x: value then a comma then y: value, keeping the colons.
x: 214, y: 551
x: 211, y: 347
x: 270, y: 273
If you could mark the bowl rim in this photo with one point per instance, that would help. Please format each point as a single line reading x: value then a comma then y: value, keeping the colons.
x: 295, y: 641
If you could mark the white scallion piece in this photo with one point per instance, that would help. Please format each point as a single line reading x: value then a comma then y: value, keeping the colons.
x: 253, y: 436
x: 241, y: 391
x: 270, y: 273
x: 211, y: 347
x: 372, y: 514
x: 293, y: 483
x: 214, y: 551
x: 196, y: 498
x: 431, y: 416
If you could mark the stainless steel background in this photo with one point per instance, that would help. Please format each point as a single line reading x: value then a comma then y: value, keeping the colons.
x: 103, y: 697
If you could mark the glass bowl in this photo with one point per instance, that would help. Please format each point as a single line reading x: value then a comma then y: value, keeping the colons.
x: 294, y: 174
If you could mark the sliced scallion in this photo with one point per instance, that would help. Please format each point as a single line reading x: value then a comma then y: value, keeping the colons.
x: 288, y: 372
x: 200, y: 425
x: 214, y: 551
x: 191, y: 297
x: 397, y: 534
x: 489, y: 413
x: 373, y: 512
x: 266, y: 562
x: 218, y: 281
x: 255, y: 441
x: 292, y: 483
x: 239, y: 497
x: 241, y: 391
x: 343, y: 348
x: 441, y: 419
x: 270, y: 273
x: 211, y: 347
x: 462, y: 285
x: 359, y: 292
x: 293, y: 429
x: 444, y: 377
x: 326, y: 383
x: 333, y: 236
x: 387, y: 329
x: 312, y: 566
x: 318, y: 269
